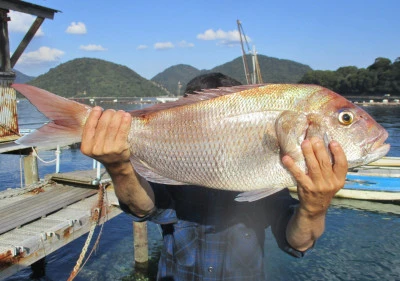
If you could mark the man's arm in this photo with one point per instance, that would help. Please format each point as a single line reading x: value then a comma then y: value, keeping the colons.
x: 315, y: 190
x: 105, y: 138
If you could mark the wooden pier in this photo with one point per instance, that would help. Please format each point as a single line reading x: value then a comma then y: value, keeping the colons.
x: 41, y: 218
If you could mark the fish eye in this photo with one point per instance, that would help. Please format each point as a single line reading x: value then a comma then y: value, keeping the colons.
x: 346, y: 117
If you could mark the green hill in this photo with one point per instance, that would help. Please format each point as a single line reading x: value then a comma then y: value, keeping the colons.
x: 273, y: 70
x: 21, y: 77
x: 380, y: 78
x: 94, y: 77
x: 180, y: 73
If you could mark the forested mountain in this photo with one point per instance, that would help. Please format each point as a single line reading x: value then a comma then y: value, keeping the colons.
x: 273, y: 70
x: 180, y: 73
x: 94, y: 77
x: 380, y: 78
x: 22, y: 78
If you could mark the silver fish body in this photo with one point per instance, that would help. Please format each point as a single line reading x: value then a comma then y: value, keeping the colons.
x: 236, y: 141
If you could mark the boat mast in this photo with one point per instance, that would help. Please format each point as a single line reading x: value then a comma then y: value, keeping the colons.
x: 256, y: 77
x: 246, y: 68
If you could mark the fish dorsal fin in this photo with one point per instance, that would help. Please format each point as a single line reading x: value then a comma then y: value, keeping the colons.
x: 198, y: 96
x: 145, y: 172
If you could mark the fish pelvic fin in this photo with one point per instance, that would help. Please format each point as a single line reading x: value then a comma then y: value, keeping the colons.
x: 254, y: 195
x: 145, y: 172
x: 67, y: 118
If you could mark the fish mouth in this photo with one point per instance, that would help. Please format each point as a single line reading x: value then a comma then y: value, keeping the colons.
x: 378, y: 147
x: 378, y: 143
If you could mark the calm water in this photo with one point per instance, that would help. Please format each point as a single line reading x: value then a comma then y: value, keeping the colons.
x: 361, y: 241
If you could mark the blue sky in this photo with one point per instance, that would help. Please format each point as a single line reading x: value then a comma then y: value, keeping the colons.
x: 150, y: 36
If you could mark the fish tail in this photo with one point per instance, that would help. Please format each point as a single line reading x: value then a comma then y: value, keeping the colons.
x: 67, y: 116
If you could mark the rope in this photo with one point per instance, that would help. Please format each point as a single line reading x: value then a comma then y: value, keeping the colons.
x: 43, y: 161
x: 95, y: 220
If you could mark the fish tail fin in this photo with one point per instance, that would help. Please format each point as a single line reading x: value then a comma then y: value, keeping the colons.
x: 67, y: 116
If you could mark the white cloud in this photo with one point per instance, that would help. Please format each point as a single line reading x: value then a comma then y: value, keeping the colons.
x: 92, y: 48
x: 76, y: 28
x: 42, y: 55
x: 163, y: 45
x: 21, y: 22
x: 184, y: 44
x: 142, y: 47
x: 224, y: 37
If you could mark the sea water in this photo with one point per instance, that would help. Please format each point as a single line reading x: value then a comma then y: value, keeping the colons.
x: 361, y: 241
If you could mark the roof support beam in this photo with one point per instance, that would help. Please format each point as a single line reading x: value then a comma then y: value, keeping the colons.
x: 28, y: 8
x: 24, y: 43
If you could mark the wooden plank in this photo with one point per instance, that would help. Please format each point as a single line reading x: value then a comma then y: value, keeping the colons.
x: 21, y: 247
x: 13, y: 148
x: 87, y: 177
x: 40, y: 205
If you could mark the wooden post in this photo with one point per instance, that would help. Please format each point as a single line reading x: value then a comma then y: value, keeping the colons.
x: 140, y: 243
x: 31, y: 169
x: 5, y: 64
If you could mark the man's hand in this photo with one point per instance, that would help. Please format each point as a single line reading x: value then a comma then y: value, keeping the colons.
x: 315, y: 190
x: 323, y: 180
x: 105, y: 137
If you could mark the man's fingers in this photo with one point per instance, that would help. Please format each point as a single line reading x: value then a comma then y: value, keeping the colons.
x: 112, y: 129
x: 125, y: 127
x: 322, y: 155
x: 102, y: 131
x: 308, y: 147
x: 340, y: 165
x: 89, y: 129
x: 300, y: 177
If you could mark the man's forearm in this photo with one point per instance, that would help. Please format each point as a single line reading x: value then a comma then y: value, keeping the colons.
x: 304, y: 229
x: 131, y: 189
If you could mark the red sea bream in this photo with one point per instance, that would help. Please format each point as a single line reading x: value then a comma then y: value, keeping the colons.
x: 229, y: 138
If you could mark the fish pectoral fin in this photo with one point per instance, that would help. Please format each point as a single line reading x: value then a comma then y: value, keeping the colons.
x: 254, y: 195
x: 145, y: 171
x: 291, y: 128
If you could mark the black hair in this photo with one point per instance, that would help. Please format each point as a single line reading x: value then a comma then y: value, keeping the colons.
x: 210, y: 81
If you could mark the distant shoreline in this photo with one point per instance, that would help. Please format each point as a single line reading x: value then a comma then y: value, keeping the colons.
x: 377, y: 103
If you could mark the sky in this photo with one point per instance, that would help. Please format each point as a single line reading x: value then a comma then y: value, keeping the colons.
x: 150, y: 36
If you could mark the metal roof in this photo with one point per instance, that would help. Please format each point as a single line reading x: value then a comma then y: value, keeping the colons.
x: 28, y: 8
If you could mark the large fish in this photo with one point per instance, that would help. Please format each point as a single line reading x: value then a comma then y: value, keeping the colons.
x: 230, y: 138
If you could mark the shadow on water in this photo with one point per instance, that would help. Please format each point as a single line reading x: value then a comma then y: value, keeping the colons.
x: 144, y: 274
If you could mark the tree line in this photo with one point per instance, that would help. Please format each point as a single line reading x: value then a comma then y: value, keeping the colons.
x: 380, y: 78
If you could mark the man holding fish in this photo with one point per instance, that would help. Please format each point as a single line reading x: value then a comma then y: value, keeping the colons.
x: 213, y: 168
x: 208, y: 235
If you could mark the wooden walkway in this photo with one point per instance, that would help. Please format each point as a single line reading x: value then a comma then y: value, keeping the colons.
x: 38, y: 220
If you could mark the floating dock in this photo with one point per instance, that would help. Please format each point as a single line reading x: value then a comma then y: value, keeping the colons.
x: 41, y: 218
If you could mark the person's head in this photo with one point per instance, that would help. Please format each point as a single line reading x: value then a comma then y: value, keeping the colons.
x: 210, y: 81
